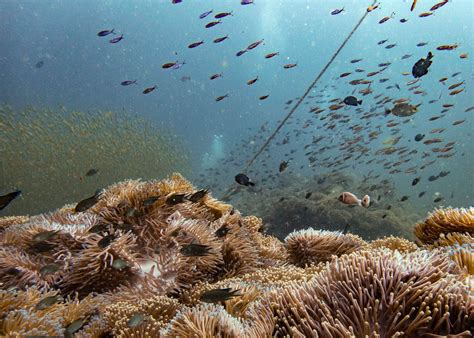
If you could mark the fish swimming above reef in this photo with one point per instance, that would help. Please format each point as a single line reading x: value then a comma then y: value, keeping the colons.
x: 197, y: 250
x: 92, y: 172
x: 6, y: 199
x: 218, y: 295
x: 351, y: 199
x: 420, y: 68
x: 352, y: 101
x: 88, y: 202
x: 106, y: 32
x: 243, y: 179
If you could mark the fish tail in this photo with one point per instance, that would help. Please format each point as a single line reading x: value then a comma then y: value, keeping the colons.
x: 359, y: 102
x: 112, y: 31
x: 430, y: 55
x: 251, y: 184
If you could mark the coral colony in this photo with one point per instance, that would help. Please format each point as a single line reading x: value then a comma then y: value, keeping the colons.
x: 164, y: 259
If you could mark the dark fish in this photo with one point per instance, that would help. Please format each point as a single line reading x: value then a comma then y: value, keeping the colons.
x: 128, y: 82
x: 241, y: 52
x: 252, y: 81
x: 190, y: 250
x: 222, y: 231
x: 419, y: 137
x: 49, y: 269
x: 222, y: 15
x: 415, y: 181
x: 117, y: 39
x: 433, y: 178
x: 438, y: 199
x: 106, y: 32
x: 215, y: 76
x: 150, y: 200
x: 337, y: 11
x: 221, y: 39
x: 352, y: 101
x: 403, y: 20
x: 420, y: 68
x: 88, y: 202
x: 47, y: 302
x: 92, y: 172
x: 176, y: 199
x: 421, y: 44
x: 283, y: 166
x: 406, y: 56
x: 246, y: 2
x: 444, y: 173
x: 384, y: 215
x: 42, y: 246
x: 243, y: 179
x: 198, y: 195
x: 74, y: 327
x: 355, y: 60
x: 389, y: 207
x: 270, y: 55
x: 98, y: 228
x: 105, y: 241
x: 39, y: 64
x: 308, y: 195
x: 421, y: 194
x: 45, y: 235
x: 381, y: 42
x: 149, y: 89
x: 136, y: 320
x: 390, y: 46
x: 203, y: 15
x: 213, y: 23
x: 254, y: 44
x: 222, y: 97
x: 195, y: 44
x: 404, y: 198
x: 263, y: 97
x: 168, y: 65
x: 6, y: 199
x: 218, y: 295
x: 290, y: 65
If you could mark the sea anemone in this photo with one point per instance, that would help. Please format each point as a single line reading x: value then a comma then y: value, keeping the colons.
x: 7, y: 221
x: 375, y: 293
x: 393, y: 243
x: 445, y: 221
x: 311, y: 246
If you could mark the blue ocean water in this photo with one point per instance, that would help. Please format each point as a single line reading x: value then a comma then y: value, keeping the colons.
x: 82, y: 71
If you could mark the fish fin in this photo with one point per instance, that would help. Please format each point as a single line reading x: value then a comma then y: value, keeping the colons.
x: 365, y: 201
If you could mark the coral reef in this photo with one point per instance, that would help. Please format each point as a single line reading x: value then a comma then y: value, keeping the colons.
x: 294, y: 202
x: 445, y: 221
x: 164, y: 259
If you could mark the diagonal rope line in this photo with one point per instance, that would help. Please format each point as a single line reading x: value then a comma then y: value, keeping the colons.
x: 308, y: 90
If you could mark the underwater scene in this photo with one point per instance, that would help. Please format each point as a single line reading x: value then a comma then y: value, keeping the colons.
x: 236, y: 168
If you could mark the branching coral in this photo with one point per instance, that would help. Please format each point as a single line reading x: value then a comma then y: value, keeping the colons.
x: 310, y: 246
x: 445, y: 221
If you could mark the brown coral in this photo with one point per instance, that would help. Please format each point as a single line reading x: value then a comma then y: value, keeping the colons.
x: 393, y: 243
x: 311, y: 246
x: 375, y: 293
x: 445, y: 221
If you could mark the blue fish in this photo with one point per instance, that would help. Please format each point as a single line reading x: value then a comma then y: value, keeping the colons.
x: 106, y: 32
x: 128, y: 82
x: 246, y: 2
x: 117, y: 39
x: 203, y: 15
